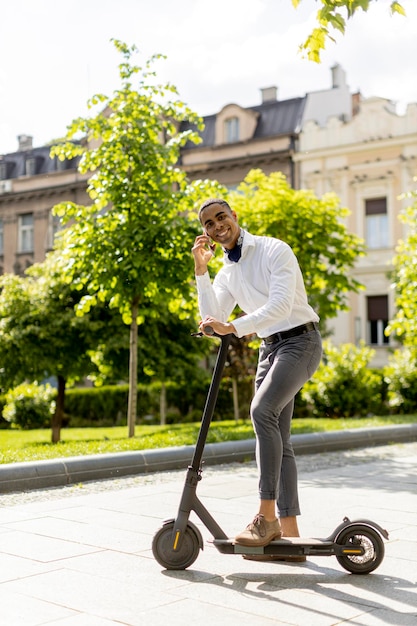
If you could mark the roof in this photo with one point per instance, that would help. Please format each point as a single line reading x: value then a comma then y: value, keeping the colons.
x: 279, y: 117
x: 16, y: 164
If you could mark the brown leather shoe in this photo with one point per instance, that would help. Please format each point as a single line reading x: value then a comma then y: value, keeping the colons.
x: 259, y: 532
x: 290, y: 558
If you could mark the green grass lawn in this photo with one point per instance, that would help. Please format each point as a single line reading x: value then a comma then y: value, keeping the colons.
x: 31, y: 445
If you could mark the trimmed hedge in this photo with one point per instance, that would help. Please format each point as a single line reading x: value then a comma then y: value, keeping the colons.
x: 107, y: 406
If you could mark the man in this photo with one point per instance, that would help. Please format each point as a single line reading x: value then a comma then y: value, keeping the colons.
x: 262, y: 276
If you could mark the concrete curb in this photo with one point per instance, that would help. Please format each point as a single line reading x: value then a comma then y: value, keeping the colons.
x: 70, y: 470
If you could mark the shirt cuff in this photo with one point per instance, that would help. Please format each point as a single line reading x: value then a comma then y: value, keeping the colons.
x: 243, y: 326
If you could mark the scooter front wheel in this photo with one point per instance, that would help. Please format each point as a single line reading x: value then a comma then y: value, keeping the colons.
x: 175, y: 559
x: 369, y: 540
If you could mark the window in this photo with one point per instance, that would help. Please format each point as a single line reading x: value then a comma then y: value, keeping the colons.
x: 376, y: 223
x: 30, y: 166
x: 231, y: 128
x: 377, y: 320
x: 25, y: 234
x: 6, y: 169
x: 54, y: 225
x: 3, y: 170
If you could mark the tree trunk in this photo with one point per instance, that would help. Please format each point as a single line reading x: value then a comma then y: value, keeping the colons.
x: 235, y: 399
x: 133, y: 371
x: 58, y: 416
x: 163, y: 405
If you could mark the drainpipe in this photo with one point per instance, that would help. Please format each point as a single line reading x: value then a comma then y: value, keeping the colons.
x: 291, y: 161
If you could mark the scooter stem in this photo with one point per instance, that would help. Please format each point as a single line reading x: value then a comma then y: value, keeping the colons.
x: 211, y: 401
x: 189, y: 500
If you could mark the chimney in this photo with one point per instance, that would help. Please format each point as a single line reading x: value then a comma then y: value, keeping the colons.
x: 25, y: 142
x: 269, y: 94
x: 338, y: 76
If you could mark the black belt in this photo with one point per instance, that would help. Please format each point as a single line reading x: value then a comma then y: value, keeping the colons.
x: 293, y: 332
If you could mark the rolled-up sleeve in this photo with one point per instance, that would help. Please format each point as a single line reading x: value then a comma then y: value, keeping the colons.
x: 215, y: 301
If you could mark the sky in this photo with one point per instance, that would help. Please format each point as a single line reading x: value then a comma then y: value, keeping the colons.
x: 54, y: 56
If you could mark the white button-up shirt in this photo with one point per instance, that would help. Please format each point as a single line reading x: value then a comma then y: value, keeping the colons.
x: 266, y: 283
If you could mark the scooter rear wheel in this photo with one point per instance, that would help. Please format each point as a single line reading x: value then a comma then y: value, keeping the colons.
x: 370, y: 540
x: 175, y: 559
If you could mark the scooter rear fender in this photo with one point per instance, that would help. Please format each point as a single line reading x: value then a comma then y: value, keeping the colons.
x: 363, y: 522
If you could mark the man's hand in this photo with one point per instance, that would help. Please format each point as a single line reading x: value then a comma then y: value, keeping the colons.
x: 202, y: 251
x: 220, y: 328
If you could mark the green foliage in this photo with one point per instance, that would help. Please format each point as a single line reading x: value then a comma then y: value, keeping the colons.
x: 96, y: 406
x: 344, y: 385
x: 331, y: 16
x: 404, y: 324
x: 313, y: 227
x: 3, y: 423
x: 401, y: 377
x: 30, y: 405
x: 39, y: 327
x: 166, y: 349
x: 106, y: 406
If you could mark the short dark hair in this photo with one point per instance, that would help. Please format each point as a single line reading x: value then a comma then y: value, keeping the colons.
x: 211, y: 201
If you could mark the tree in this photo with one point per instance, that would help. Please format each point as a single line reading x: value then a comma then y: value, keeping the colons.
x: 40, y: 334
x: 404, y: 323
x: 331, y: 17
x: 131, y: 246
x: 313, y: 227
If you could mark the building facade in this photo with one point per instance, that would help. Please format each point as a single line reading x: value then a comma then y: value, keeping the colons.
x: 368, y: 160
x: 31, y: 183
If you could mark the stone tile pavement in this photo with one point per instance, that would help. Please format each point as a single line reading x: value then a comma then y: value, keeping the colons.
x: 81, y: 555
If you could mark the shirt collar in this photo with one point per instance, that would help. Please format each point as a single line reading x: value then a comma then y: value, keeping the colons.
x: 246, y: 240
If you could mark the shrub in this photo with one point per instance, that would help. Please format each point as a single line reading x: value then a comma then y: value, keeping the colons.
x: 344, y: 385
x: 107, y: 406
x: 30, y: 405
x: 96, y: 406
x: 401, y: 378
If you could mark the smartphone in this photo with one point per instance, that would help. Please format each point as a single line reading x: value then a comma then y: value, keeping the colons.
x: 211, y: 245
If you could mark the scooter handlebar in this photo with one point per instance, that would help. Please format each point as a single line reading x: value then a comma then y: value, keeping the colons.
x: 208, y: 330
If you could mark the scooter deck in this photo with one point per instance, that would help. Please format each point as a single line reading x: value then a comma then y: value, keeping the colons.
x: 293, y: 546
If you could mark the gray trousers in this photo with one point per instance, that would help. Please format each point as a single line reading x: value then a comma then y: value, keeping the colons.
x: 283, y: 368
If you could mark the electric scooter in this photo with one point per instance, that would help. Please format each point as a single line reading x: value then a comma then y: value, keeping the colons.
x: 357, y: 545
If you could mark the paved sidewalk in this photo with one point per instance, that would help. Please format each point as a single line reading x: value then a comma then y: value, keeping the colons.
x: 80, y: 555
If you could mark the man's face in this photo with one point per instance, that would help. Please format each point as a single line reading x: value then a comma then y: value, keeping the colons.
x: 220, y: 225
